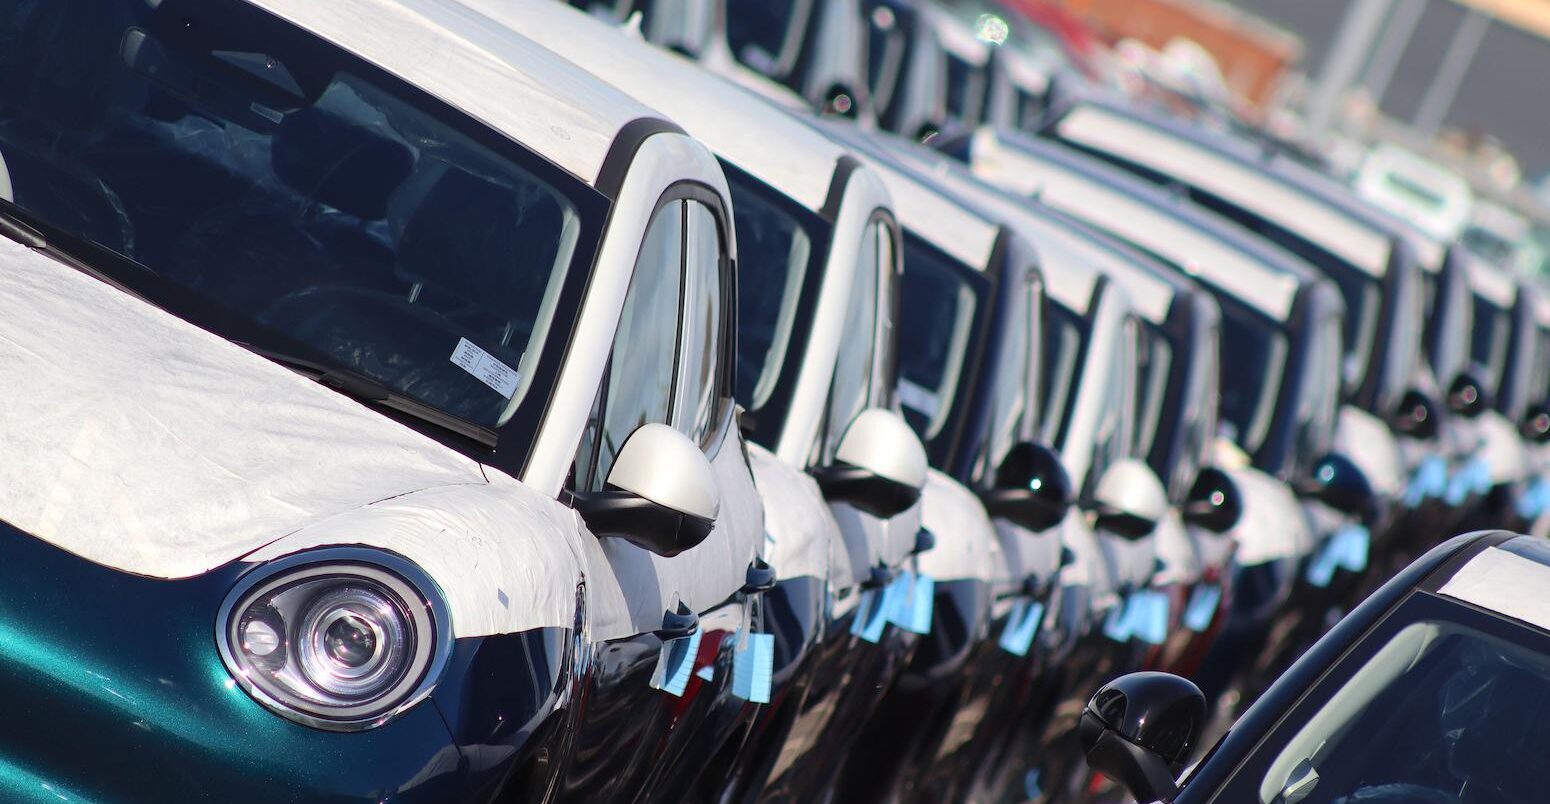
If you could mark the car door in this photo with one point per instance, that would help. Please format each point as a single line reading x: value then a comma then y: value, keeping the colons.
x: 671, y: 364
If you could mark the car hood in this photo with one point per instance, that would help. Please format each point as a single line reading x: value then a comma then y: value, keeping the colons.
x: 136, y: 440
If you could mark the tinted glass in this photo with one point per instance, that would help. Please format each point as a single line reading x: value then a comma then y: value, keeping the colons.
x: 853, y: 367
x: 1489, y: 345
x: 1253, y: 362
x: 773, y: 256
x: 965, y: 90
x: 640, y: 378
x: 757, y: 29
x: 1013, y: 409
x: 293, y: 198
x: 1065, y: 336
x: 938, y: 305
x: 702, y: 327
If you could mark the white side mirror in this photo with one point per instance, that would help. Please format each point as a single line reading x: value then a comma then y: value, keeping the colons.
x: 1130, y: 500
x: 661, y: 493
x: 880, y: 466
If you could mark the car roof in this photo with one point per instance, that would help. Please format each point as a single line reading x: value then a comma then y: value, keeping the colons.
x: 489, y: 72
x: 947, y: 223
x: 751, y: 132
x: 1272, y: 185
x: 1245, y: 267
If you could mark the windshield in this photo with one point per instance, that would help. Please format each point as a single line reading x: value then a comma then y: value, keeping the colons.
x: 776, y: 260
x: 1443, y: 704
x: 295, y: 199
x: 1254, y: 351
x: 938, y: 306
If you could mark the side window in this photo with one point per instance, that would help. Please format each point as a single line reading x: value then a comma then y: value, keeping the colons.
x: 849, y: 388
x: 703, y: 324
x: 640, y: 378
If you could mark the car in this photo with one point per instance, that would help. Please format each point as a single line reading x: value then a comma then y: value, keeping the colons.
x: 353, y: 448
x: 1426, y: 692
x: 1313, y: 217
x: 818, y: 282
x: 817, y: 48
x: 983, y: 412
x: 1279, y: 424
x: 929, y: 71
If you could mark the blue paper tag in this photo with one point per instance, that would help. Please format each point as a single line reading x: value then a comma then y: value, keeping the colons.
x: 1535, y: 500
x: 1149, y: 610
x: 1022, y: 627
x: 753, y: 665
x: 871, y: 615
x: 1321, y: 570
x: 915, y: 603
x: 1473, y: 478
x: 674, y: 664
x: 1430, y: 480
x: 706, y: 673
x: 1117, y: 625
x: 1201, y: 609
x: 1350, y: 545
x: 898, y: 595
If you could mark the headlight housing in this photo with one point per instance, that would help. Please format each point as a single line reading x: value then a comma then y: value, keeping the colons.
x: 342, y: 639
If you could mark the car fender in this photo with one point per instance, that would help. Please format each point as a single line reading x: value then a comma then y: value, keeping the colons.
x: 1273, y: 526
x: 966, y: 545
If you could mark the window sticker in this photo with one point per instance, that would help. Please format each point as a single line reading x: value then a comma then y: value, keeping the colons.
x: 485, y: 368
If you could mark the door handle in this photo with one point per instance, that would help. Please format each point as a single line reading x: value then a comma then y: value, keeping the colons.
x: 925, y: 540
x: 678, y: 624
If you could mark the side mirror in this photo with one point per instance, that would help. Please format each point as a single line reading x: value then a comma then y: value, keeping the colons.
x: 1215, y: 502
x: 1340, y: 484
x: 1417, y: 416
x: 1032, y: 488
x: 1536, y: 423
x: 1130, y: 500
x: 1139, y: 729
x: 1466, y: 396
x: 661, y: 493
x: 879, y: 468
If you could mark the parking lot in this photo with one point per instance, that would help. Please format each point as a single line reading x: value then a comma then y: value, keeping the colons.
x: 740, y: 401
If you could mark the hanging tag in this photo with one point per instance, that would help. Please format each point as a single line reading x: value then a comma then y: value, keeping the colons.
x: 901, y: 597
x: 1321, y: 570
x: 674, y: 663
x: 1351, y: 546
x: 706, y: 674
x: 871, y: 615
x: 1535, y: 500
x: 1022, y: 627
x: 916, y: 602
x: 1118, y: 624
x: 1430, y: 480
x: 1202, y: 607
x: 1151, y: 617
x: 753, y: 666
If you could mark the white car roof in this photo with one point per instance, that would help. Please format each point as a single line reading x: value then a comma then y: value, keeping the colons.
x: 1219, y: 174
x: 1261, y: 286
x: 739, y: 126
x: 503, y: 79
x: 947, y: 224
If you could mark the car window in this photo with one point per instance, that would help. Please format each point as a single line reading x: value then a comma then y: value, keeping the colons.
x: 703, y: 323
x: 849, y: 391
x: 1013, y: 408
x: 1154, y: 370
x: 1065, y: 345
x: 639, y: 387
x: 1253, y: 364
x: 885, y: 54
x: 761, y: 31
x: 940, y: 308
x: 1434, y: 707
x: 297, y: 200
x: 774, y: 251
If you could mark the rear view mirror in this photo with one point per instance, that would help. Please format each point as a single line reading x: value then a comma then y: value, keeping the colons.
x: 1417, y: 415
x: 1139, y: 729
x: 880, y: 466
x: 1130, y: 500
x: 1466, y: 396
x: 1032, y: 488
x: 661, y: 493
x: 1215, y: 502
x: 1340, y: 484
x: 1536, y: 423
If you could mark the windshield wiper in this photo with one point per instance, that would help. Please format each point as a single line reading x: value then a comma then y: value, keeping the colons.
x: 362, y: 388
x: 18, y: 228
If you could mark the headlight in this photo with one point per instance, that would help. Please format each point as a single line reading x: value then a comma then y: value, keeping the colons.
x: 340, y: 639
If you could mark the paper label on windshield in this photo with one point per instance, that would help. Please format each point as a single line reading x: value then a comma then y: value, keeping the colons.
x: 918, y: 398
x: 485, y: 367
